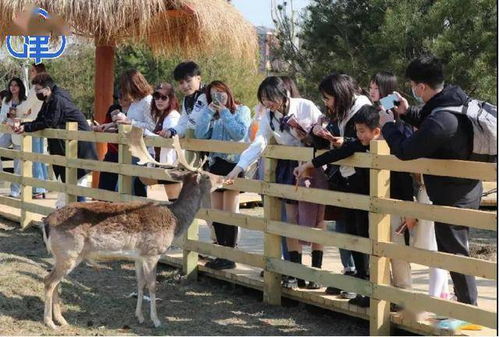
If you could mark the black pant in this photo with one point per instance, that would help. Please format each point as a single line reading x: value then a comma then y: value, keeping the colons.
x: 108, y: 180
x: 454, y: 239
x: 357, y: 223
x: 226, y: 234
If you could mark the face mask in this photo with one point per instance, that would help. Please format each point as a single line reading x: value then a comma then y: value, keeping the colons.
x: 40, y: 96
x: 419, y: 99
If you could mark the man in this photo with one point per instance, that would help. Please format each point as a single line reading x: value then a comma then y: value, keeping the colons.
x: 58, y: 109
x: 441, y: 135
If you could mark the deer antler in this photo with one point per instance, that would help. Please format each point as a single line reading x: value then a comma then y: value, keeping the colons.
x: 181, y: 157
x: 138, y: 148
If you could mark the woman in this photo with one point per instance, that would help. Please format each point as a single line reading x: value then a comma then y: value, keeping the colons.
x: 342, y: 98
x: 136, y: 89
x: 164, y: 112
x: 287, y: 120
x: 381, y: 85
x: 226, y: 120
x: 108, y: 180
x: 9, y: 113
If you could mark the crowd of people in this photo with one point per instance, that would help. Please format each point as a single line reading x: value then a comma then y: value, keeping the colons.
x: 352, y: 118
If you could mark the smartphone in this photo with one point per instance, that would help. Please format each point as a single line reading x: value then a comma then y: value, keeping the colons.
x: 389, y: 101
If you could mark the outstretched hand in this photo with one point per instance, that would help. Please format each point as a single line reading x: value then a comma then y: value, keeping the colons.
x: 229, y: 179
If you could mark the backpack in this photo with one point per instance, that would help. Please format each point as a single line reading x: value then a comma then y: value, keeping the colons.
x: 483, y: 118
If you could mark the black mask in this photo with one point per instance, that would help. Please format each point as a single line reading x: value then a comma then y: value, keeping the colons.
x: 40, y: 96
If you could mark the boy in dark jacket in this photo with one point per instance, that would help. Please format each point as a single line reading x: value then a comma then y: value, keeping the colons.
x: 441, y: 135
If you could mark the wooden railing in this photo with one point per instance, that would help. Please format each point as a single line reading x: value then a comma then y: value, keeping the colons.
x: 378, y: 203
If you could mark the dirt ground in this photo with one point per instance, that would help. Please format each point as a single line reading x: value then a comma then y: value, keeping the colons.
x: 96, y: 303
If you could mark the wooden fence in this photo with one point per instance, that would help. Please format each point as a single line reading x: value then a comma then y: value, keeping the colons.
x: 378, y: 203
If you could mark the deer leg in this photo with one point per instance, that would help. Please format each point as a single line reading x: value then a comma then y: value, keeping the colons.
x: 140, y: 290
x: 150, y: 277
x: 57, y: 307
x: 51, y: 282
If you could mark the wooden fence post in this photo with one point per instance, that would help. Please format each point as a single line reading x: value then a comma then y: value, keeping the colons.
x: 124, y: 157
x: 379, y: 231
x: 26, y: 171
x: 191, y: 258
x: 271, y: 242
x: 71, y: 153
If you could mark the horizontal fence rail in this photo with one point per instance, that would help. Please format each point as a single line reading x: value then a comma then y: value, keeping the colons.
x: 378, y: 204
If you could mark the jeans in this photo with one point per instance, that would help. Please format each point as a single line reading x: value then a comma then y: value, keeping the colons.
x: 5, y: 142
x: 39, y: 169
x: 284, y: 244
x: 345, y: 254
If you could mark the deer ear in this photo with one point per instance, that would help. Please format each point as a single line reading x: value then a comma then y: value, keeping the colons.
x: 177, y: 175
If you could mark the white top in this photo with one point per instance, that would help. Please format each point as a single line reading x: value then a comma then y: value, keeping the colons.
x: 21, y: 109
x: 33, y: 103
x: 306, y: 113
x: 168, y: 155
x: 139, y: 113
x: 188, y: 121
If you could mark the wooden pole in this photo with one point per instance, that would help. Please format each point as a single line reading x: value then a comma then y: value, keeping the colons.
x: 379, y: 231
x: 71, y: 153
x: 124, y: 157
x: 103, y: 91
x: 26, y: 171
x: 271, y: 242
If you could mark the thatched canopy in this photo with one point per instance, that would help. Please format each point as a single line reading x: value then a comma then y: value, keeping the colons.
x: 191, y: 27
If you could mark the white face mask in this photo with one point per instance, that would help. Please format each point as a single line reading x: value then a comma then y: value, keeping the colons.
x: 419, y: 99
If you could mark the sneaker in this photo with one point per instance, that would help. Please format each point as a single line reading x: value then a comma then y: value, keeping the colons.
x: 38, y: 196
x: 14, y: 195
x: 360, y: 301
x: 348, y: 294
x: 220, y: 264
x: 333, y: 291
x: 301, y: 283
x: 313, y: 285
x: 290, y: 283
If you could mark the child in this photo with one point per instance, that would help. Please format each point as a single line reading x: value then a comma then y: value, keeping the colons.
x: 367, y: 127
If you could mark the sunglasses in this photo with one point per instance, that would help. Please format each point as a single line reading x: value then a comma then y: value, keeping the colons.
x: 157, y: 96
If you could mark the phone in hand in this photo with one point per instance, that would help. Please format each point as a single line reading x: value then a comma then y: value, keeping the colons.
x: 12, y: 112
x: 389, y: 102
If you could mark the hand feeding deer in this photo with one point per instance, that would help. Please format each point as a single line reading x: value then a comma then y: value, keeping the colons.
x: 141, y: 231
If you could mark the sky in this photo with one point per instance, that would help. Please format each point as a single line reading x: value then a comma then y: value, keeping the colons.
x: 258, y: 11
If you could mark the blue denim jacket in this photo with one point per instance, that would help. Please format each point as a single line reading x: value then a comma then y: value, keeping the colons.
x: 228, y: 127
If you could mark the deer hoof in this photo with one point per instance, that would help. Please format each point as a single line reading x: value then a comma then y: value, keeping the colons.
x: 61, y: 321
x: 157, y: 323
x: 140, y: 318
x: 49, y: 323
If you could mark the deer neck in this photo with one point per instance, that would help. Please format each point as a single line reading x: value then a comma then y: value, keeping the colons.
x: 186, y: 207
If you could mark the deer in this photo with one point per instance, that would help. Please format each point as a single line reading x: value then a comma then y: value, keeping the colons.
x: 139, y: 231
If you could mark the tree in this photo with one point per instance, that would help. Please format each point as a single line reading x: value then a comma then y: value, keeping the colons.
x: 362, y: 37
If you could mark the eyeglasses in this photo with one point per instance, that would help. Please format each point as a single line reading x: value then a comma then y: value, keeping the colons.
x: 157, y: 96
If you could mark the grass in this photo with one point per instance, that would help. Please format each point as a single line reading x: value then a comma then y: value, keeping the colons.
x: 96, y: 302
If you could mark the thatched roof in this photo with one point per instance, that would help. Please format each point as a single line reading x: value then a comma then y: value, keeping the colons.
x: 191, y: 27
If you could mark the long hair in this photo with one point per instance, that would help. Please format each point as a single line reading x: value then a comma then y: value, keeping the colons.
x: 219, y: 85
x: 386, y: 82
x: 134, y: 86
x: 172, y: 101
x: 22, y: 90
x: 273, y: 89
x: 291, y: 87
x: 343, y: 88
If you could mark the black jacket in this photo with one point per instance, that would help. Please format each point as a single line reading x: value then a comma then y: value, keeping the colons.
x: 54, y: 114
x: 440, y: 135
x: 401, y: 186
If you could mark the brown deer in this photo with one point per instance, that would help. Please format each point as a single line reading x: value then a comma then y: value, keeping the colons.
x: 140, y: 231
